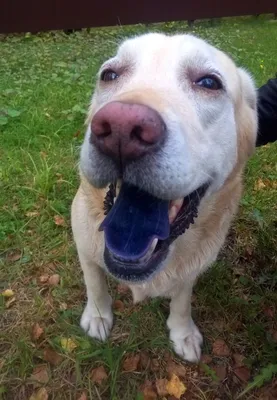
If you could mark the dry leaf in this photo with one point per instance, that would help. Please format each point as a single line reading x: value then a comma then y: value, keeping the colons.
x: 144, y: 360
x: 206, y: 359
x: 155, y: 365
x: 238, y: 359
x: 176, y: 369
x: 242, y: 373
x: 122, y: 289
x: 37, y: 331
x: 31, y: 214
x: 220, y: 348
x: 68, y: 344
x: 161, y: 387
x: 14, y: 255
x: 77, y: 134
x: 148, y: 391
x: 175, y: 387
x: 83, y: 396
x: 8, y: 293
x: 118, y: 305
x: 131, y: 363
x: 98, y: 375
x: 63, y: 306
x: 54, y: 280
x: 221, y: 371
x: 269, y: 312
x: 10, y: 302
x: 41, y: 394
x: 259, y: 184
x: 43, y: 278
x: 40, y: 374
x: 51, y: 356
x: 59, y: 220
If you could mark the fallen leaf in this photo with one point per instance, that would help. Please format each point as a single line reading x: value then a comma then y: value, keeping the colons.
x: 148, y: 391
x: 269, y: 312
x: 63, y: 306
x: 83, y: 396
x: 40, y: 374
x: 155, y: 365
x: 59, y: 220
x: 14, y: 255
x: 161, y: 387
x: 68, y: 344
x: 10, y: 302
x: 238, y: 359
x: 43, y: 278
x: 118, y: 305
x: 8, y: 293
x: 131, y: 363
x: 221, y: 371
x: 31, y: 214
x: 122, y: 289
x: 41, y: 394
x: 175, y: 387
x: 176, y: 369
x: 98, y: 375
x: 242, y: 373
x: 144, y: 361
x: 259, y: 184
x: 54, y: 280
x: 52, y: 356
x: 37, y: 331
x: 220, y: 348
x: 77, y: 134
x: 206, y: 359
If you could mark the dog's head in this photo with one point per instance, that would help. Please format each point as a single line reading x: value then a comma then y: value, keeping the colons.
x: 171, y: 118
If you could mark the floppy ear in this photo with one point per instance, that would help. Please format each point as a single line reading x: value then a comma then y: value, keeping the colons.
x: 246, y: 116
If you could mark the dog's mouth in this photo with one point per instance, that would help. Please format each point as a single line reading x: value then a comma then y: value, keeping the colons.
x: 139, y: 229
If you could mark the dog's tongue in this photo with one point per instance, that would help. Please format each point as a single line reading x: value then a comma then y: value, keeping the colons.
x: 135, y: 220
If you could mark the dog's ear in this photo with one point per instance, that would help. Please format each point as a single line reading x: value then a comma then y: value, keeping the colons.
x: 246, y: 116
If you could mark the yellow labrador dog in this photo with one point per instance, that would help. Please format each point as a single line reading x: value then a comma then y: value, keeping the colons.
x: 171, y: 125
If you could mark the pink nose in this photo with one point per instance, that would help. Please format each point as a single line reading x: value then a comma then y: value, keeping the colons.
x: 127, y: 131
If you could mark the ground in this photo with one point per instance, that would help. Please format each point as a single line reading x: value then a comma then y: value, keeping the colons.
x: 46, y: 81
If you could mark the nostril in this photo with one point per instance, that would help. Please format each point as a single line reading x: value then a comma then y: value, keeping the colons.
x: 104, y: 130
x: 136, y: 133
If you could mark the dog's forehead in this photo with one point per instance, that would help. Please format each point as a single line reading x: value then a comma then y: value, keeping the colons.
x: 157, y: 47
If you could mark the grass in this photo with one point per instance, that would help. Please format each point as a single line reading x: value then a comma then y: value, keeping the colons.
x: 46, y: 81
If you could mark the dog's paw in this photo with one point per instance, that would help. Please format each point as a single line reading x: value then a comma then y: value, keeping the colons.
x: 187, y: 342
x: 96, y: 326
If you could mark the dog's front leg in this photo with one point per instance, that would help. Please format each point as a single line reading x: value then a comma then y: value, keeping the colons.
x: 97, y: 318
x: 184, y: 334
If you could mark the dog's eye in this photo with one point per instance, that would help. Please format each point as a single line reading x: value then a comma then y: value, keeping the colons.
x: 108, y: 75
x: 209, y: 82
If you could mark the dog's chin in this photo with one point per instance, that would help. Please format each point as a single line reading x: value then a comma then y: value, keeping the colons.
x: 131, y: 269
x: 139, y: 270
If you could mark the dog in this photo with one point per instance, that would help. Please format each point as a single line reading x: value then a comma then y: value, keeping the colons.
x: 170, y: 127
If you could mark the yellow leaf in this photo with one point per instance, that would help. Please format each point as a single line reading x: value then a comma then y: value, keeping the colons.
x: 8, y: 293
x: 175, y: 387
x: 259, y: 185
x: 68, y: 344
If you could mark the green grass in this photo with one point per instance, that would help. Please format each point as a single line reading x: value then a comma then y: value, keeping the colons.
x: 45, y: 84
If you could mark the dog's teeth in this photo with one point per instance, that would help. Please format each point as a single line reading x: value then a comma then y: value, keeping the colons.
x: 174, y: 208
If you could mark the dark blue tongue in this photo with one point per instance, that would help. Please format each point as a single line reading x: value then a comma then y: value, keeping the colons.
x: 134, y: 221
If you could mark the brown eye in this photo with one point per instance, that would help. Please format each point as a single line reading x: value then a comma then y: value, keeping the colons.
x: 108, y: 75
x: 209, y: 82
